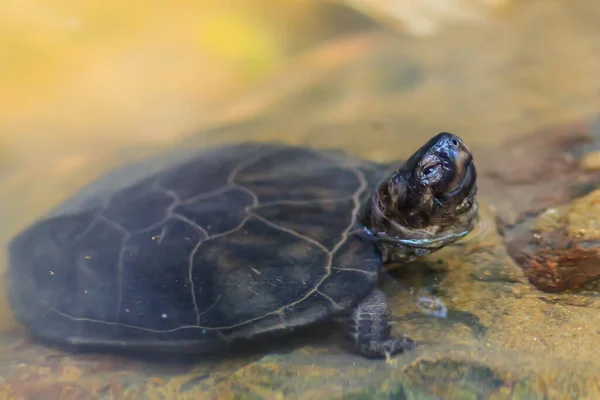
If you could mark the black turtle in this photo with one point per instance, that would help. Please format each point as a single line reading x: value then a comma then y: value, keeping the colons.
x: 236, y: 243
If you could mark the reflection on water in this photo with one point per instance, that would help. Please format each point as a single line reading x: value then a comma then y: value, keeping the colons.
x: 378, y: 95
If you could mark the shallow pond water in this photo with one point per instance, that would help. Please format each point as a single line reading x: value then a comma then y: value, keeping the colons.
x: 517, y: 90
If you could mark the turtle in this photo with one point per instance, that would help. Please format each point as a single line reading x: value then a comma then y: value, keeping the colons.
x: 237, y: 242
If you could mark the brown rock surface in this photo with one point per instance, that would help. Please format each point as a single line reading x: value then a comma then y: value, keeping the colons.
x: 560, y: 249
x: 542, y: 169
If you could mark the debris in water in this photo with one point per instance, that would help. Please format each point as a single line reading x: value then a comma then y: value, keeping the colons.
x: 432, y: 306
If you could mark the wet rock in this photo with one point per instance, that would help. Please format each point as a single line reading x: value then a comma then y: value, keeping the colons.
x: 540, y: 170
x: 591, y: 161
x: 559, y: 249
x: 436, y: 373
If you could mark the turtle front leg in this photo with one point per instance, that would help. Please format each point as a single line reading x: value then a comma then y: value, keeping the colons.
x: 369, y: 328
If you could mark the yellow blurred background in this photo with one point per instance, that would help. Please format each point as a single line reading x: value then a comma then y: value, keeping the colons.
x: 102, y: 73
x: 107, y: 71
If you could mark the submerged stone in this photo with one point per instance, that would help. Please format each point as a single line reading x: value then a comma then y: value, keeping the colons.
x: 560, y: 249
x: 540, y: 170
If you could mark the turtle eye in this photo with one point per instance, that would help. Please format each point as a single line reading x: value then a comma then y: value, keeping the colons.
x: 430, y: 172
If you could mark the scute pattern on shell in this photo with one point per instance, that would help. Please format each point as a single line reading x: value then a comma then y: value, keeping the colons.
x: 238, y: 241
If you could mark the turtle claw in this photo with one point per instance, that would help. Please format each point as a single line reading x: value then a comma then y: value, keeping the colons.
x: 369, y: 328
x: 394, y: 346
x: 389, y: 360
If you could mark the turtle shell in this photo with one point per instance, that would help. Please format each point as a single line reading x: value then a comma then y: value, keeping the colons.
x: 233, y: 243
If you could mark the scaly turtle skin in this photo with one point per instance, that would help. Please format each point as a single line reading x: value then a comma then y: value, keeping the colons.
x: 236, y: 243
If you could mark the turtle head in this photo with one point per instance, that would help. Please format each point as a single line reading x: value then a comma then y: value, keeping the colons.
x: 427, y: 203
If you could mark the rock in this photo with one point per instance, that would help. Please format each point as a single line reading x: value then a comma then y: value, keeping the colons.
x: 560, y: 249
x: 591, y: 161
x: 539, y: 170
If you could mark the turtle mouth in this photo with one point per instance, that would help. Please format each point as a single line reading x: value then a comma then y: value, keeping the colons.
x: 465, y: 205
x: 467, y: 179
x: 468, y: 201
x: 464, y: 190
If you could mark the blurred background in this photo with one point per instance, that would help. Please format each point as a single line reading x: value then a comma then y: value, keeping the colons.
x: 106, y: 72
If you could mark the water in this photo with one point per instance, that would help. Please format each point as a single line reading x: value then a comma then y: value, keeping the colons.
x: 377, y: 95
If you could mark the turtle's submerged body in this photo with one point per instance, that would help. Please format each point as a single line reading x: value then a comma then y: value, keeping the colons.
x: 236, y: 243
